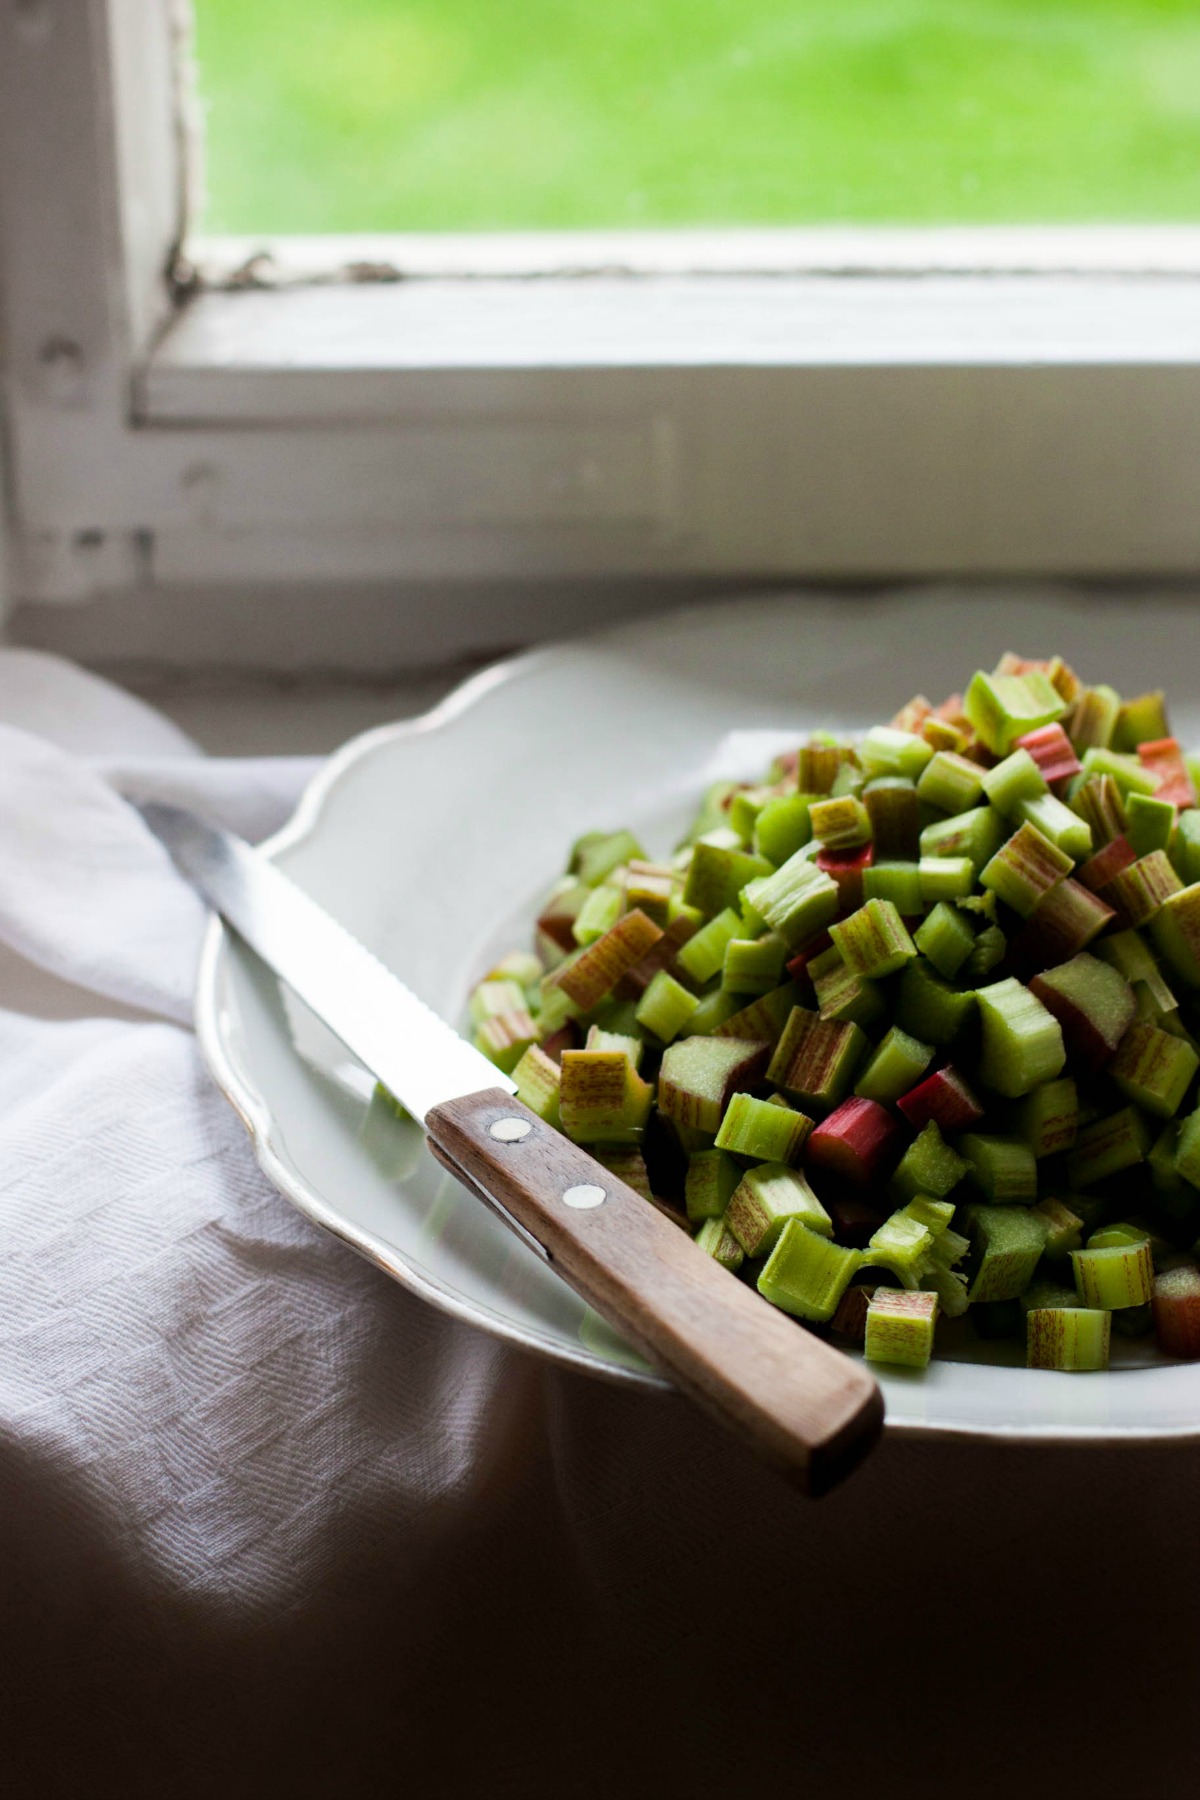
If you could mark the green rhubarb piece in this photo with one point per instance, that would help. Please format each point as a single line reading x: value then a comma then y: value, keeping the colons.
x: 492, y: 998
x: 505, y: 1037
x: 797, y: 901
x: 987, y: 952
x: 520, y: 966
x: 651, y: 888
x: 900, y: 1328
x: 591, y: 975
x: 1003, y: 708
x: 1021, y: 1043
x: 936, y: 1216
x: 764, y: 1018
x: 1015, y: 779
x: 1187, y: 1149
x: 807, y: 1274
x: 753, y: 965
x: 1025, y: 868
x: 1047, y: 1290
x: 903, y: 1245
x: 895, y: 1066
x: 946, y: 938
x: 1002, y: 1167
x: 1058, y: 825
x: 886, y: 751
x: 766, y: 1200
x: 816, y: 1059
x: 895, y: 814
x: 712, y: 1012
x: 928, y: 1007
x: 595, y: 856
x: 930, y: 1167
x: 977, y: 834
x: 665, y: 1007
x: 1150, y: 823
x: 874, y: 941
x: 599, y: 1037
x: 744, y: 808
x: 703, y: 955
x: 1118, y: 1275
x: 598, y: 914
x: 1120, y: 1232
x: 538, y: 1078
x: 952, y: 783
x: 1138, y: 892
x: 766, y: 1131
x: 1064, y: 1228
x: 817, y: 767
x: 716, y: 877
x: 699, y: 1074
x: 711, y: 1181
x: 840, y: 823
x: 1175, y: 929
x: 1048, y: 1117
x: 1006, y: 1247
x: 1129, y: 953
x: 717, y: 1241
x: 944, y: 878
x: 1094, y: 719
x: 1118, y: 1141
x: 899, y: 883
x: 843, y: 995
x: 1160, y: 1160
x: 1067, y: 1337
x: 1154, y: 1069
x: 782, y: 827
x: 602, y: 1098
x: 1130, y: 775
x: 713, y: 809
x: 1142, y: 720
x: 1099, y: 803
x: 1186, y: 848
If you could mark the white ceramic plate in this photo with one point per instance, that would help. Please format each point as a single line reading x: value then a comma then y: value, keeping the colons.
x: 433, y: 840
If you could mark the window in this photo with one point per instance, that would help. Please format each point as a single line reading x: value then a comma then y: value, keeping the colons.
x: 417, y: 420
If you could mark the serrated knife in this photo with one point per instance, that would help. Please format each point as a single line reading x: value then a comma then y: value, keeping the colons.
x: 799, y: 1403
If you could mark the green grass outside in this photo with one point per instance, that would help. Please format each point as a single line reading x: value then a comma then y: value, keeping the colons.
x: 392, y: 115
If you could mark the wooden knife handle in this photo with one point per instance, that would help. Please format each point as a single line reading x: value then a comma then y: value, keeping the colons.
x: 800, y: 1404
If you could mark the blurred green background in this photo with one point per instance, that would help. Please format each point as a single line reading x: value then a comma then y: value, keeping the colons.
x: 388, y: 115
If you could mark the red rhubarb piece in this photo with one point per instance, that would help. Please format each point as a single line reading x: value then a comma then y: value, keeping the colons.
x: 943, y: 1097
x: 1163, y: 759
x: 1052, y: 751
x: 1113, y: 860
x: 854, y: 1221
x: 816, y: 946
x: 846, y: 867
x: 854, y: 1142
x: 1176, y: 1307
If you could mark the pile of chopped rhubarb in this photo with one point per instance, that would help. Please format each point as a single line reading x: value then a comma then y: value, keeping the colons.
x: 905, y: 1029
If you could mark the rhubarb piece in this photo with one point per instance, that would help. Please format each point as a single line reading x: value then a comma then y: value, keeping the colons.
x: 1025, y: 868
x: 840, y: 824
x: 946, y: 1098
x: 1119, y: 1275
x: 987, y: 952
x: 928, y: 1007
x: 627, y: 1163
x: 1047, y: 1290
x: 1048, y: 1117
x: 1118, y: 1141
x: 843, y: 995
x: 1003, y: 708
x: 1154, y: 1069
x: 1160, y: 1160
x: 1163, y: 759
x: 1065, y: 921
x: 849, y: 869
x: 783, y: 827
x: 1128, y: 773
x: 1051, y: 750
x: 716, y: 877
x: 595, y: 856
x: 1129, y: 953
x: 977, y: 834
x: 796, y: 901
x: 598, y: 914
x: 661, y: 955
x: 1002, y: 1167
x: 1185, y: 851
x: 894, y: 1067
x: 900, y: 1328
x: 817, y: 768
x: 538, y: 1078
x: 855, y: 1142
x: 873, y: 941
x: 491, y: 999
x: 895, y: 815
x: 942, y: 736
x: 505, y: 1037
x: 717, y: 1241
x: 1140, y: 720
x: 1022, y: 1043
x: 903, y: 1245
x: 1092, y: 1002
x: 816, y: 1059
x: 764, y: 1018
x: 753, y: 965
x: 712, y: 1179
x: 650, y: 888
x: 596, y: 971
x: 1094, y: 720
x: 1176, y: 1308
x: 1100, y: 805
x: 713, y: 1012
x: 1122, y: 1232
x: 800, y: 965
x: 952, y: 783
x: 602, y: 1099
x: 704, y: 953
x: 1006, y: 1246
x: 849, y: 1322
x: 897, y: 883
x: 1071, y: 1338
x: 1096, y: 873
x: 1137, y: 893
x: 1058, y: 825
x: 744, y: 808
x: 1150, y: 824
x: 1176, y: 933
x: 945, y: 878
x: 928, y: 1167
x: 765, y: 1131
x: 1187, y: 1149
x: 807, y: 1274
x: 1015, y: 779
x: 768, y: 1198
x: 886, y: 751
x: 699, y: 1074
x: 1064, y: 1228
x: 665, y: 1007
x: 946, y: 939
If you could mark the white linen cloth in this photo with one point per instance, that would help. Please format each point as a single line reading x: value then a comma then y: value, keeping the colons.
x: 267, y: 1523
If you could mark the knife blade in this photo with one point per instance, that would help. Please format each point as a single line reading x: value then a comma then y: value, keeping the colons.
x: 796, y: 1401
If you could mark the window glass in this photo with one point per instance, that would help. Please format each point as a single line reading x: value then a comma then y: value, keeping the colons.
x: 381, y: 115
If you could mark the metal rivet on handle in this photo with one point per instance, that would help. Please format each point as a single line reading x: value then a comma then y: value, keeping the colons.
x: 510, y: 1131
x: 584, y: 1195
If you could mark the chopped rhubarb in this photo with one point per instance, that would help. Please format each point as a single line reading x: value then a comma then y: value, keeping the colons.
x: 946, y: 1099
x: 1064, y: 921
x: 816, y: 1059
x: 1092, y: 1002
x: 1163, y: 759
x: 1107, y: 864
x: 1176, y: 1308
x: 900, y: 1327
x: 699, y: 1074
x: 1052, y: 751
x: 847, y: 867
x: 855, y: 1142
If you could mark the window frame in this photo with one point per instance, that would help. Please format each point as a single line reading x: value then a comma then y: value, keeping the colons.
x: 651, y: 408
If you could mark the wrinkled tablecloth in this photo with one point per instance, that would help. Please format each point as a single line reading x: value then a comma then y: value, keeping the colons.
x: 270, y: 1524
